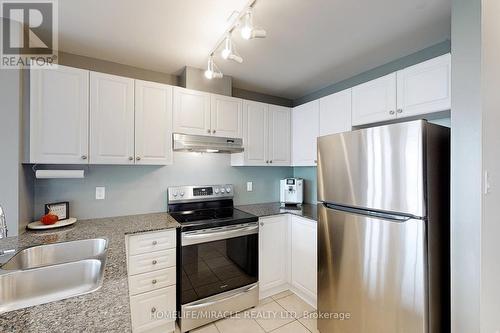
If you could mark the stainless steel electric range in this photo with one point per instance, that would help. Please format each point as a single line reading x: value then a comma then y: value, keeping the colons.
x: 218, y: 254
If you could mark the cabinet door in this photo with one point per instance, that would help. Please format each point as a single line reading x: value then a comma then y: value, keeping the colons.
x: 59, y: 120
x: 335, y: 113
x: 305, y: 131
x: 111, y: 119
x: 304, y: 256
x: 279, y: 135
x: 273, y: 252
x: 255, y: 140
x: 374, y: 101
x: 191, y: 112
x: 226, y: 116
x: 153, y: 123
x: 425, y: 87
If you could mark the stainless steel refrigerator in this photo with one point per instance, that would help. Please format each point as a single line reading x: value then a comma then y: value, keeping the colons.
x: 384, y: 229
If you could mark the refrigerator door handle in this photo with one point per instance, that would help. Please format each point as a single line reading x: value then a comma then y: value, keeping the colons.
x: 367, y: 212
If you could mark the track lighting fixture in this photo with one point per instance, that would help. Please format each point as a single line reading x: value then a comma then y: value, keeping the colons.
x: 229, y: 51
x: 243, y: 21
x: 212, y: 71
x: 248, y: 31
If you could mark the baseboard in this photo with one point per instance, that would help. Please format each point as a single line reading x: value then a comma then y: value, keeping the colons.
x: 273, y: 291
x: 306, y: 296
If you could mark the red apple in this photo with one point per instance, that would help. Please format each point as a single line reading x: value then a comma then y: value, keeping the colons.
x: 49, y: 219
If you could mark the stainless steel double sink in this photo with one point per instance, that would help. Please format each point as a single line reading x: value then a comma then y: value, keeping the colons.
x: 47, y: 273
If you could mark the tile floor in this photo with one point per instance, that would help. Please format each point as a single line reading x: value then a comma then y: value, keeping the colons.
x: 282, y: 313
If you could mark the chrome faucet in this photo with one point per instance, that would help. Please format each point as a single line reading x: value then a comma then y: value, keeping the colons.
x: 3, y: 224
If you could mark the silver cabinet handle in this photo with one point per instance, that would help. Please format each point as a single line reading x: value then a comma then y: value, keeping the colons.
x: 400, y: 110
x: 213, y: 131
x: 138, y: 158
x: 271, y: 161
x: 153, y: 282
x: 391, y: 112
x: 84, y: 157
x: 130, y: 158
x: 153, y: 310
x: 208, y: 131
x: 261, y: 224
x: 267, y: 162
x: 154, y: 262
x: 316, y: 161
x: 155, y: 243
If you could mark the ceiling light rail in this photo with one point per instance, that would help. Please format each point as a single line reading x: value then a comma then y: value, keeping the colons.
x: 244, y: 20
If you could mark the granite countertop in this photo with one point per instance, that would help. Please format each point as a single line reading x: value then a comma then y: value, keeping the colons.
x: 105, y: 310
x: 267, y: 209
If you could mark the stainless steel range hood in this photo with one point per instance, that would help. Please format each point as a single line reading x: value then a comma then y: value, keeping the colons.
x: 207, y: 144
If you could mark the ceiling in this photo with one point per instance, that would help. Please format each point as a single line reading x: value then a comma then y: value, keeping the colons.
x: 310, y: 43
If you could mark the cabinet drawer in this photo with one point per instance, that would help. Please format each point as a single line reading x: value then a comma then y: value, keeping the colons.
x: 155, y: 241
x: 148, y: 262
x: 142, y: 283
x: 152, y: 309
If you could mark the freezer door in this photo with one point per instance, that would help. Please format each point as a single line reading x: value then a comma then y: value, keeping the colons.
x: 371, y: 274
x: 378, y: 168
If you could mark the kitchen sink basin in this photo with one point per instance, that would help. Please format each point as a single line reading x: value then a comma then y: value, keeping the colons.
x: 24, y: 288
x: 57, y: 253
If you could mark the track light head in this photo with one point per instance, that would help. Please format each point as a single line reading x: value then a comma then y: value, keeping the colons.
x: 248, y: 30
x: 212, y: 71
x: 229, y: 51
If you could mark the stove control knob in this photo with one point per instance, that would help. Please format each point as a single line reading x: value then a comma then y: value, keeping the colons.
x: 222, y: 190
x: 216, y: 190
x: 228, y: 189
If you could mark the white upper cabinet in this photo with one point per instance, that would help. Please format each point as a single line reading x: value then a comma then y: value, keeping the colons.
x: 305, y: 129
x: 255, y: 132
x: 191, y: 112
x: 335, y: 113
x: 111, y: 119
x: 266, y: 136
x: 59, y: 115
x: 153, y: 123
x: 374, y: 101
x: 425, y: 87
x: 279, y: 152
x: 226, y: 116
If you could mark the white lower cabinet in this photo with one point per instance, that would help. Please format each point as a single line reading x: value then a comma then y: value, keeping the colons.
x: 152, y: 280
x: 288, y: 256
x: 304, y: 254
x: 273, y: 254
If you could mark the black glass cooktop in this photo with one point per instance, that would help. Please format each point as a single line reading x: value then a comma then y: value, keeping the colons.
x: 211, y: 218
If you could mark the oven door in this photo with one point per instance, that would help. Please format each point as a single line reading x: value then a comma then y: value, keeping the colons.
x: 217, y: 260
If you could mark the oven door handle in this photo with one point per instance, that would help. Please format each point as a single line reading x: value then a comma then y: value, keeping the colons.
x: 205, y: 236
x: 223, y: 297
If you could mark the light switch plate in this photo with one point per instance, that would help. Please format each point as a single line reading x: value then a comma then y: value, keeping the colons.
x: 100, y: 193
x: 249, y: 186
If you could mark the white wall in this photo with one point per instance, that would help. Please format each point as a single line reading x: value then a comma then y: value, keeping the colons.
x: 475, y: 120
x: 10, y: 105
x: 490, y: 230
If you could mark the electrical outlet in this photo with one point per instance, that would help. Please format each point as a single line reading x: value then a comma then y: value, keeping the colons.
x: 100, y: 193
x: 249, y: 186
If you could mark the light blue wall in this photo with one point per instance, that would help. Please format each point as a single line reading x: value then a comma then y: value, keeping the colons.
x: 143, y: 189
x: 310, y: 183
